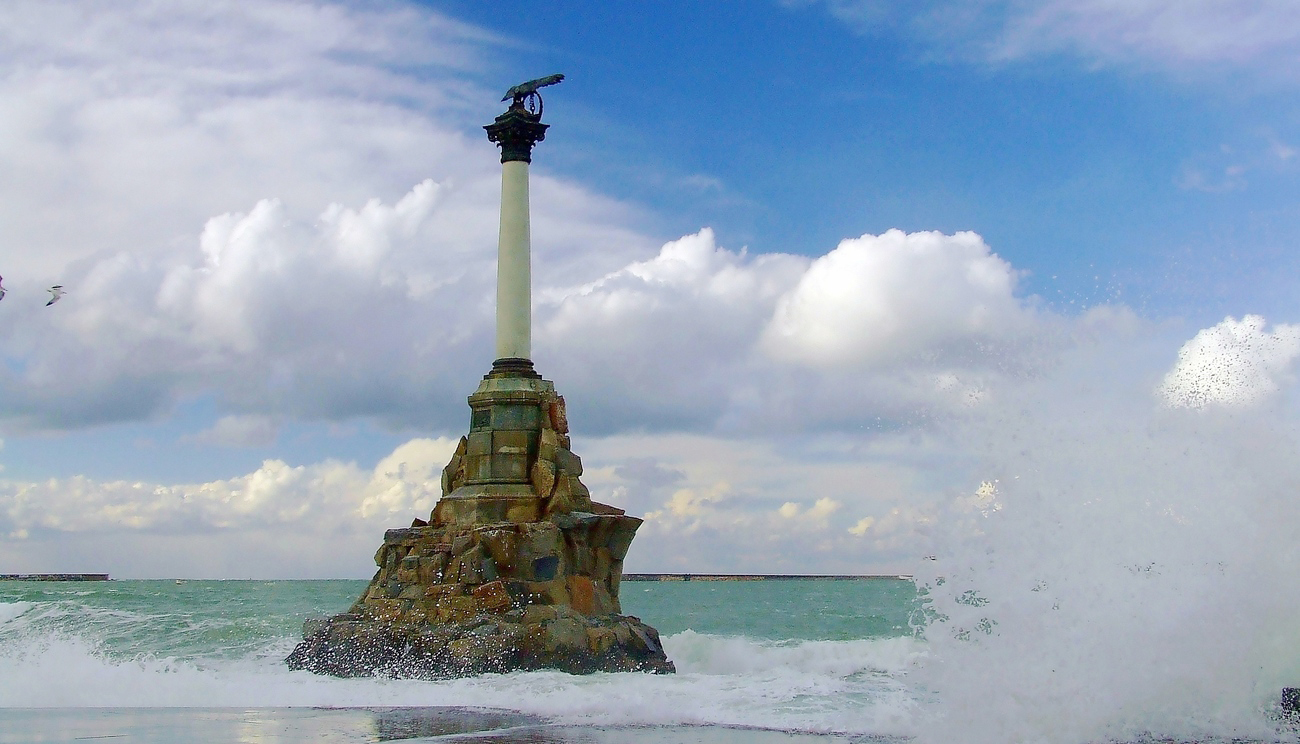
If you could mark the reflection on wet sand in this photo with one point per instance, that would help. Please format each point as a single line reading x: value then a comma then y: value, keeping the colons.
x: 347, y: 725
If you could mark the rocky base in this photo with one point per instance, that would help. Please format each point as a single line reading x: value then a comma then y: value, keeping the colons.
x: 457, y: 600
x: 536, y: 637
x: 515, y: 569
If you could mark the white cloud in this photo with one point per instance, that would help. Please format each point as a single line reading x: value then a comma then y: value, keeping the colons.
x: 126, y: 125
x: 862, y: 525
x: 1234, y: 363
x: 326, y: 495
x: 248, y: 430
x: 754, y: 505
x: 248, y: 228
x: 883, y: 299
x: 1208, y: 35
x: 327, y: 518
x: 1238, y: 32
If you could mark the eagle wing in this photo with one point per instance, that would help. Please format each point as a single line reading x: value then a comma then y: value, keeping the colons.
x: 523, y: 89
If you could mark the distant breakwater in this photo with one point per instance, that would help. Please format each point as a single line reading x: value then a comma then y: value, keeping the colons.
x: 757, y: 577
x: 55, y: 577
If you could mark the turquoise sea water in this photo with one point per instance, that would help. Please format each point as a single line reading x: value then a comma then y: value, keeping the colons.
x: 811, y: 657
x: 773, y: 661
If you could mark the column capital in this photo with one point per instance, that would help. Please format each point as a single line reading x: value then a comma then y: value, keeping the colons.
x: 516, y: 131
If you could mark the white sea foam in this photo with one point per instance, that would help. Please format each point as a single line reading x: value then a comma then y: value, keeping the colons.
x: 12, y: 610
x: 1133, y: 571
x: 811, y: 685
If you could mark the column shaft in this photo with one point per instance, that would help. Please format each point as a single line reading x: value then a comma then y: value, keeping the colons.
x: 514, y: 271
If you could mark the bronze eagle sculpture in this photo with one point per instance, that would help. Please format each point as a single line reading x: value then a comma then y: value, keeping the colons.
x: 523, y: 89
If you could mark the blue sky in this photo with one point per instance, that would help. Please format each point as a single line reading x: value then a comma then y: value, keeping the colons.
x: 798, y: 129
x: 786, y: 255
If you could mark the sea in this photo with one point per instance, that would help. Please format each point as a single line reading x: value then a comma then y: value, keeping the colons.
x: 758, y: 661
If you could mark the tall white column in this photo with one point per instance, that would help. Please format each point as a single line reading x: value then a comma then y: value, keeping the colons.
x: 514, y: 270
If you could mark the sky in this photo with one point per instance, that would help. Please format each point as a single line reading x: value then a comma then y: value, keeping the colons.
x: 793, y: 261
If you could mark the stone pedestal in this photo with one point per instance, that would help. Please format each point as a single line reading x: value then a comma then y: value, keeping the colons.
x: 516, y: 568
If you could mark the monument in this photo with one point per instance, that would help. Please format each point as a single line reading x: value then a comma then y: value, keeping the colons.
x: 516, y: 568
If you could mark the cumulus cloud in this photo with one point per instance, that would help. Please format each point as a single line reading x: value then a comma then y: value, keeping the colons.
x: 252, y: 227
x: 701, y: 336
x: 882, y: 299
x: 127, y: 125
x: 718, y: 510
x: 326, y: 495
x: 384, y: 311
x: 755, y: 505
x: 1233, y: 363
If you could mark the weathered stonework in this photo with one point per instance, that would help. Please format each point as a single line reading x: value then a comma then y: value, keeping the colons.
x: 517, y: 568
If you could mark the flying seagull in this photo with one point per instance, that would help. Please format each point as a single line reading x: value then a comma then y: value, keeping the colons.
x: 56, y: 291
x: 2, y: 289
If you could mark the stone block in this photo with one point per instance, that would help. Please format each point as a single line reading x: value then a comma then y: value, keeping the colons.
x: 393, y: 588
x: 461, y: 543
x: 519, y: 416
x: 600, y: 640
x: 542, y: 478
x: 510, y: 466
x: 554, y: 592
x: 603, y: 563
x: 568, y: 463
x: 479, y: 444
x: 565, y: 633
x: 620, y: 537
x: 647, y: 637
x: 615, y: 578
x: 384, y: 610
x: 454, y: 474
x: 488, y: 569
x: 579, y: 489
x: 478, y: 468
x: 605, y: 602
x: 582, y: 595
x: 414, y: 591
x: 535, y: 614
x: 542, y: 539
x: 524, y: 511
x: 559, y: 415
x: 580, y: 557
x: 480, y: 418
x: 545, y: 568
x: 500, y: 544
x: 622, y: 633
x: 547, y: 442
x: 562, y: 498
x: 469, y: 567
x: 492, y: 597
x: 438, y: 591
x: 432, y: 568
x: 512, y: 442
x: 456, y: 609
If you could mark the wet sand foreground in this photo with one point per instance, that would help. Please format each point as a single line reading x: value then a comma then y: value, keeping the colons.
x: 340, y: 725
